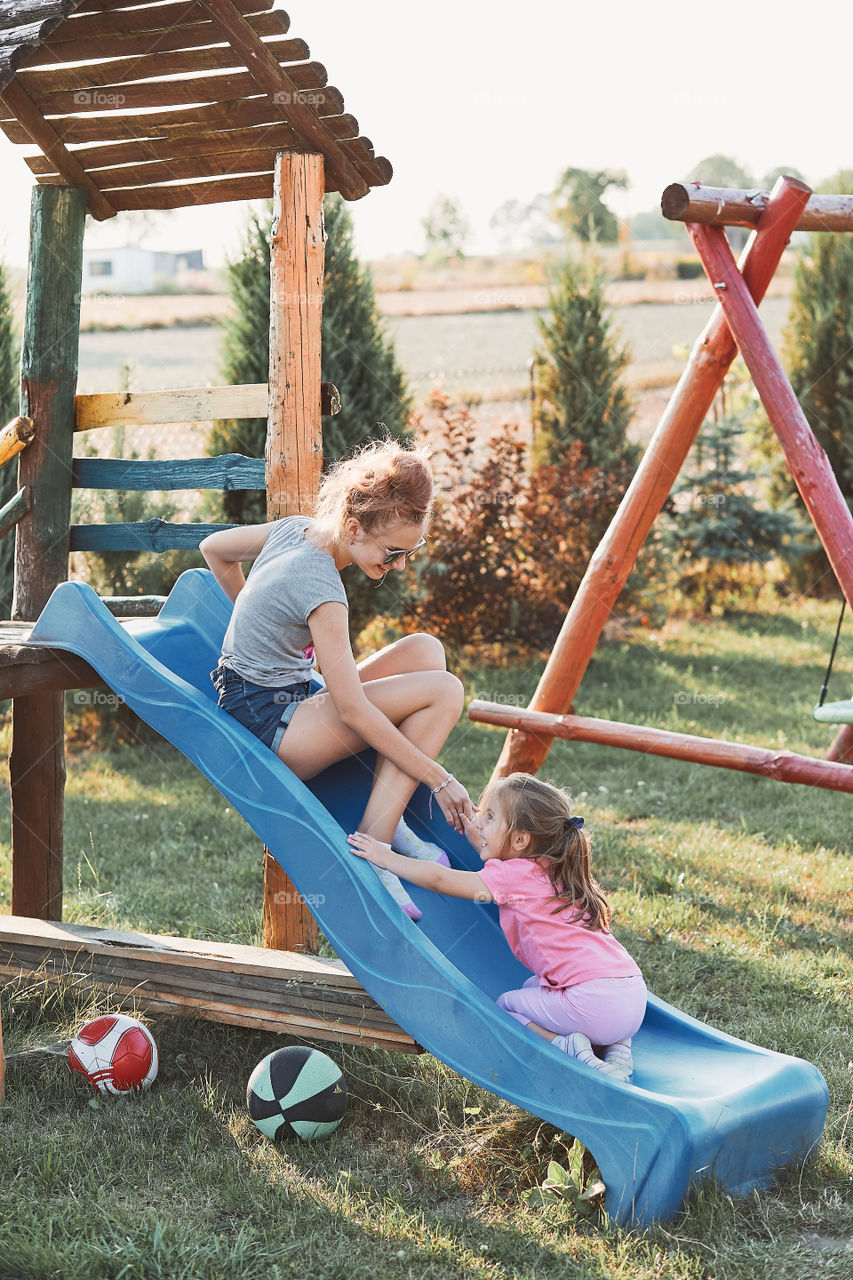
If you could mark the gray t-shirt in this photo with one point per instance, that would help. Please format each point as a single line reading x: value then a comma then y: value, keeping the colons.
x: 268, y: 640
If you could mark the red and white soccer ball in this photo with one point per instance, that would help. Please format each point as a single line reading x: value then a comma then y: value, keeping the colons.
x: 116, y: 1054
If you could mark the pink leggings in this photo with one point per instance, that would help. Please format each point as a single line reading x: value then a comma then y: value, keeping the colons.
x: 605, y: 1009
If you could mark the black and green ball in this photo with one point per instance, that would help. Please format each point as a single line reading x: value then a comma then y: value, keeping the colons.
x: 296, y: 1093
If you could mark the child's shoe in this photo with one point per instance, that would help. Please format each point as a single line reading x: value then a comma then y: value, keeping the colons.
x: 619, y: 1055
x: 579, y: 1046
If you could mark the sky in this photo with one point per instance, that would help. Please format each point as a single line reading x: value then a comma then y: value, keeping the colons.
x: 489, y: 101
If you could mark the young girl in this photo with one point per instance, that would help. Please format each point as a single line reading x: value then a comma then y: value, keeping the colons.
x: 586, y: 989
x: 372, y: 511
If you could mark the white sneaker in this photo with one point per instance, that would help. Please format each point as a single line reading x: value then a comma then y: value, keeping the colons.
x: 579, y: 1046
x: 619, y: 1055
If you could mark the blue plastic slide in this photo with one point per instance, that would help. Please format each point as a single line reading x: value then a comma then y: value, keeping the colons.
x: 701, y: 1104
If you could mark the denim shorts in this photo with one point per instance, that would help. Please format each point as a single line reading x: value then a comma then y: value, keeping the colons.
x: 265, y: 710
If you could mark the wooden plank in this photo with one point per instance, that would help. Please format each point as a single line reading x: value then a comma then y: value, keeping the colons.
x: 143, y: 535
x: 39, y: 131
x: 205, y: 142
x: 783, y: 766
x: 178, y: 122
x: 48, y: 675
x: 306, y: 78
x: 613, y: 560
x: 284, y: 88
x: 73, y: 48
x: 718, y: 206
x: 247, y: 986
x: 161, y: 17
x: 208, y: 954
x: 48, y: 384
x: 219, y: 165
x: 154, y: 64
x: 15, y: 509
x: 294, y: 444
x: 186, y: 404
x: 188, y: 195
x: 229, y: 471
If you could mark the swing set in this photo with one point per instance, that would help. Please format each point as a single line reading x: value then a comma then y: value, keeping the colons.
x: 735, y: 324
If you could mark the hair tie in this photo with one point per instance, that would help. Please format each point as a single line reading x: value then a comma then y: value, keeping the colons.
x: 573, y: 824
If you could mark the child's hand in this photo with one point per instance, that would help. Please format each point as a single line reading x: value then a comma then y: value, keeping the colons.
x: 370, y: 848
x: 472, y: 833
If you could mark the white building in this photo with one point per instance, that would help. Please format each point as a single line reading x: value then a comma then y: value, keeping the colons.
x: 130, y: 269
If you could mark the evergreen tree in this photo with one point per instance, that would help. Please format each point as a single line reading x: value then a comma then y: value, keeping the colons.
x: 818, y: 349
x: 576, y: 392
x: 723, y: 525
x: 358, y: 357
x: 9, y: 405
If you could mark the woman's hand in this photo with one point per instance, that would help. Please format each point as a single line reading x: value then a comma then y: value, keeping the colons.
x: 370, y: 848
x: 455, y: 804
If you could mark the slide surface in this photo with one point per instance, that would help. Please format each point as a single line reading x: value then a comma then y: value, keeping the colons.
x: 701, y: 1103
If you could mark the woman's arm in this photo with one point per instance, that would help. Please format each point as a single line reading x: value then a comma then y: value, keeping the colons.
x: 429, y: 875
x: 330, y: 633
x: 226, y: 549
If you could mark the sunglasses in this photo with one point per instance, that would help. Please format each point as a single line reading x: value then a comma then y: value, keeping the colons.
x: 391, y: 556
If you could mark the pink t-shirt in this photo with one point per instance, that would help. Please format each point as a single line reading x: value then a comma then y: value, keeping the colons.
x: 557, y: 948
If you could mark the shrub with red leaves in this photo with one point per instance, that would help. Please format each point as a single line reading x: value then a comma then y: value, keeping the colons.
x: 508, y: 546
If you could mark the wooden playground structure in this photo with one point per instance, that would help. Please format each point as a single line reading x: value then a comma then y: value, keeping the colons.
x: 248, y: 117
x: 735, y: 325
x: 252, y: 118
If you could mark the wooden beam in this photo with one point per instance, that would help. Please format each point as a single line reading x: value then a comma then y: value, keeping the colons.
x: 283, y: 90
x: 140, y: 535
x: 807, y: 461
x: 15, y: 509
x: 14, y: 438
x: 228, y: 471
x: 294, y: 446
x: 61, y: 48
x: 782, y: 765
x: 48, y: 383
x: 247, y: 986
x: 181, y: 122
x: 613, y: 560
x: 186, y: 404
x: 719, y: 206
x: 155, y: 62
x: 308, y: 78
x: 45, y: 137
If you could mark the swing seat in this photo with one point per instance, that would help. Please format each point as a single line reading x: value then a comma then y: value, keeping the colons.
x: 834, y: 712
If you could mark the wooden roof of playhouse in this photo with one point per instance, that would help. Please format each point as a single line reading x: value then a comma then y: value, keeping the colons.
x: 141, y: 104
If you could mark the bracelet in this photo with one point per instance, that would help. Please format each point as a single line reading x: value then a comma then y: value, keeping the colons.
x: 440, y: 787
x: 448, y: 779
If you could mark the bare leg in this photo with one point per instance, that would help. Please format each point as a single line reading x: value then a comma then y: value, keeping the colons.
x: 392, y: 788
x: 424, y: 705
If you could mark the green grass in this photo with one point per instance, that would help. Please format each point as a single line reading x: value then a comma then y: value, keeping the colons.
x: 733, y: 892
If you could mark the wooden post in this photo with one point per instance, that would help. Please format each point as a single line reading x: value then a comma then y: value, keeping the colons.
x: 48, y: 386
x: 712, y: 354
x: 294, y: 448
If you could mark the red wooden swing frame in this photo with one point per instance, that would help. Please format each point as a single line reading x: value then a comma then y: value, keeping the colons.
x: 734, y: 324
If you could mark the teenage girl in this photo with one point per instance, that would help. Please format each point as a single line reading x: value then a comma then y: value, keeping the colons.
x: 585, y: 990
x: 372, y: 511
